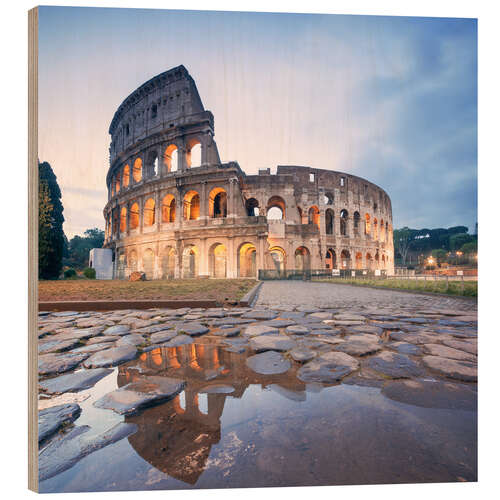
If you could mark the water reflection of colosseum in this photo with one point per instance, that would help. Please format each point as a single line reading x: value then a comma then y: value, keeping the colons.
x: 174, y: 210
x: 176, y: 437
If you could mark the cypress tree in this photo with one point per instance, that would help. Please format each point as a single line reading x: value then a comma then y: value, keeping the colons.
x: 50, y: 221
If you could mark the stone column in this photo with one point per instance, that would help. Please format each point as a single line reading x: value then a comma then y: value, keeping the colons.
x: 203, y: 262
x: 231, y: 267
x: 158, y: 211
x: 260, y: 260
x: 204, y: 202
x: 141, y: 214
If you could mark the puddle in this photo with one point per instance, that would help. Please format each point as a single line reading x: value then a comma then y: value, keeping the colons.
x: 270, y: 430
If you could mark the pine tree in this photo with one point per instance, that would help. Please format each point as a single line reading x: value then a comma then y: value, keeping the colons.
x: 50, y: 221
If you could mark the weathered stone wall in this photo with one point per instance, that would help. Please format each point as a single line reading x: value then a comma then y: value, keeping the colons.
x: 184, y: 220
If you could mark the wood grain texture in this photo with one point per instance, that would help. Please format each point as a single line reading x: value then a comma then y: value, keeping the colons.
x: 33, y: 248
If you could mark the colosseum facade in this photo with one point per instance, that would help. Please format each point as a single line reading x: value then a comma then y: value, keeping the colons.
x: 175, y: 210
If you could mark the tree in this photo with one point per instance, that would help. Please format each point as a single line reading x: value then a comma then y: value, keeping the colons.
x: 469, y: 248
x: 79, y: 247
x: 50, y: 221
x: 402, y: 241
x: 458, y: 240
x: 440, y: 255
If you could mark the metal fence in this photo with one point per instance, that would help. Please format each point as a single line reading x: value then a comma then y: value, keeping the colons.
x: 308, y: 274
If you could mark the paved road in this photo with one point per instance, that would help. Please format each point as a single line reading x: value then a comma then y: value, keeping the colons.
x: 311, y: 294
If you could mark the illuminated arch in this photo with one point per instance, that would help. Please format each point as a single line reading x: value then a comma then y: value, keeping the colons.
x: 277, y: 259
x: 218, y: 260
x: 171, y: 158
x: 276, y: 208
x: 247, y: 262
x: 134, y: 215
x: 359, y: 260
x: 193, y: 153
x: 367, y: 224
x: 313, y: 216
x: 345, y: 259
x: 117, y: 182
x: 149, y: 212
x: 168, y: 208
x: 126, y: 175
x: 191, y: 205
x: 217, y: 203
x: 190, y: 257
x: 123, y: 219
x: 137, y: 170
x: 302, y: 259
x: 331, y: 259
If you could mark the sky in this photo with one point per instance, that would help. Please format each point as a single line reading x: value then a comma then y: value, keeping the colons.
x: 390, y: 99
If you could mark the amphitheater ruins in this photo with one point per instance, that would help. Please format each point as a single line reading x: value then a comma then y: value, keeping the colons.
x: 175, y: 210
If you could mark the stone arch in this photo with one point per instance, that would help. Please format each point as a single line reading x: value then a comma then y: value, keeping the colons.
x: 152, y: 164
x: 278, y: 203
x: 252, y: 207
x: 313, y: 216
x: 302, y: 259
x: 377, y: 260
x: 149, y: 212
x: 123, y: 219
x: 247, y: 260
x: 369, y: 261
x: 120, y: 264
x: 375, y: 229
x: 117, y: 182
x: 217, y: 258
x: 171, y: 158
x: 328, y: 199
x: 132, y: 261
x: 383, y: 262
x: 331, y: 259
x: 277, y: 259
x: 126, y: 175
x: 148, y: 263
x: 134, y: 215
x: 137, y: 170
x: 168, y: 259
x: 359, y: 260
x: 367, y: 224
x: 356, y: 219
x: 190, y: 260
x: 193, y: 153
x: 191, y: 205
x: 217, y: 203
x: 329, y: 221
x: 168, y: 208
x: 345, y: 259
x: 382, y: 228
x: 344, y: 214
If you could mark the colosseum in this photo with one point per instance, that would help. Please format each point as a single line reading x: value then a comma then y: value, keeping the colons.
x: 175, y: 210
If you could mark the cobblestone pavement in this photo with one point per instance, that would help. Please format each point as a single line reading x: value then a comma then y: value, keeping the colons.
x: 300, y: 293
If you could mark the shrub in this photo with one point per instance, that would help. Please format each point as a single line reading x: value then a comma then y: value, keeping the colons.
x: 89, y: 273
x: 69, y: 273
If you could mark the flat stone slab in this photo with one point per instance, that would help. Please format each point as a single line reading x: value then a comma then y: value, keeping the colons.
x: 192, y: 329
x: 217, y: 389
x: 51, y: 419
x: 462, y: 345
x: 271, y: 343
x: 74, y: 382
x: 432, y: 394
x: 141, y: 393
x: 237, y: 349
x: 268, y: 363
x: 328, y: 368
x: 100, y: 339
x: 162, y: 336
x: 349, y: 317
x: 111, y: 357
x: 260, y: 314
x: 448, y: 352
x: 64, y: 452
x: 302, y: 354
x: 394, y: 365
x: 227, y: 332
x: 359, y: 346
x: 90, y: 348
x: 368, y: 329
x: 177, y: 341
x: 405, y: 348
x: 297, y: 330
x: 76, y: 333
x: 255, y: 330
x: 50, y: 364
x: 133, y: 339
x: 321, y: 315
x: 417, y: 338
x: 117, y: 330
x: 459, y: 370
x: 280, y: 323
x: 52, y: 346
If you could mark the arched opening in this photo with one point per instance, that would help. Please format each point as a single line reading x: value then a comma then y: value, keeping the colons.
x: 252, y: 207
x: 359, y: 260
x: 191, y: 205
x: 302, y: 259
x: 149, y: 212
x: 171, y: 158
x: 153, y: 164
x: 190, y: 262
x: 247, y: 261
x: 277, y: 255
x: 275, y: 208
x: 377, y: 261
x: 382, y: 227
x: 193, y: 153
x: 383, y: 261
x: 148, y: 258
x: 386, y: 232
x: 313, y: 216
x: 328, y: 199
x: 168, y: 263
x: 343, y: 222
x: 375, y: 229
x: 132, y: 261
x: 168, y: 208
x: 123, y: 219
x: 117, y: 182
x: 217, y: 203
x: 367, y: 224
x: 134, y: 216
x: 356, y: 219
x: 137, y: 170
x: 120, y: 266
x: 126, y: 175
x: 331, y: 259
x: 369, y: 261
x: 329, y: 221
x: 345, y: 259
x: 218, y: 260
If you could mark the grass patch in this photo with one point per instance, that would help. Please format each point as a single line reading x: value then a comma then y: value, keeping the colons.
x: 203, y: 289
x: 466, y: 288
